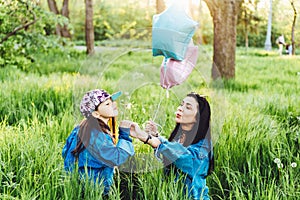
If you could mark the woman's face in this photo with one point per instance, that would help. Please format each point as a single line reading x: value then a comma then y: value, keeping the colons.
x: 187, y: 111
x: 108, y: 109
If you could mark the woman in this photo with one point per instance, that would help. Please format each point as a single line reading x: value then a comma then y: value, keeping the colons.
x: 189, y: 148
x: 91, y: 144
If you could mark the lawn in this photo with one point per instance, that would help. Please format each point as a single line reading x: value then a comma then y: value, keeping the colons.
x: 255, y: 120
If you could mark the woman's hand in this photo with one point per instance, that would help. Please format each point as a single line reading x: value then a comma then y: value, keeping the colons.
x: 137, y: 132
x: 151, y: 128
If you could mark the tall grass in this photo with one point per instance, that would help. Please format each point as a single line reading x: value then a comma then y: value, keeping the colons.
x: 255, y: 120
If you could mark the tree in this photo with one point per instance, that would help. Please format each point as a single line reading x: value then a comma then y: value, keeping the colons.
x: 196, y: 13
x: 293, y: 27
x: 247, y: 20
x: 21, y: 26
x: 89, y: 27
x: 224, y: 14
x: 65, y: 12
x: 61, y: 30
x: 268, y: 44
x: 160, y: 6
x: 22, y: 32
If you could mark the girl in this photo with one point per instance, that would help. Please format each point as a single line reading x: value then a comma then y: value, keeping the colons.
x: 91, y: 144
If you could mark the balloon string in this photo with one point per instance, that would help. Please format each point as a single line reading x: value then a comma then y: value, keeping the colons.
x: 158, y: 106
x: 165, y: 69
x: 164, y: 76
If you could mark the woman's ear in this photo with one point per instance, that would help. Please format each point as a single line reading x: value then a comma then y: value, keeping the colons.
x: 96, y: 114
x: 197, y: 116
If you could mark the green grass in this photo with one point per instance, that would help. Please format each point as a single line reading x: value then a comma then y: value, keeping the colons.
x: 255, y: 119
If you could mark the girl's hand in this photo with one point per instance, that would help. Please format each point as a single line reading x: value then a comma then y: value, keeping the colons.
x: 135, y: 130
x: 125, y: 123
x: 134, y: 127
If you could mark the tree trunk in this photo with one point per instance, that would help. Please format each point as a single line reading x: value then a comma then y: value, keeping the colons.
x: 224, y: 14
x: 53, y: 8
x: 89, y: 27
x: 65, y: 12
x: 246, y: 40
x: 160, y: 6
x: 246, y: 22
x: 200, y: 36
x: 268, y: 43
x: 293, y: 28
x: 60, y: 31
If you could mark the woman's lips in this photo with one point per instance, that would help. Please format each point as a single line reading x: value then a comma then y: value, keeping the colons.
x: 178, y: 115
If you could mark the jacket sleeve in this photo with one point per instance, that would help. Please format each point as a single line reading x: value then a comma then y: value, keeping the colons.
x: 189, y: 159
x: 102, y: 148
x: 69, y: 159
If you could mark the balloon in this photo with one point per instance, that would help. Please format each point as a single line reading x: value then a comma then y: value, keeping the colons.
x: 174, y: 72
x: 172, y: 31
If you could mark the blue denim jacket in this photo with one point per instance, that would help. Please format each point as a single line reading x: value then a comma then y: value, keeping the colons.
x: 193, y: 161
x: 100, y: 156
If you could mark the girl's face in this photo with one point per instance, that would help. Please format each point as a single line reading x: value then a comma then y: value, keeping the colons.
x: 187, y: 111
x: 108, y: 109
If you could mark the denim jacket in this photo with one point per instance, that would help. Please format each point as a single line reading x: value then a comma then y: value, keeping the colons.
x: 100, y: 157
x: 192, y: 161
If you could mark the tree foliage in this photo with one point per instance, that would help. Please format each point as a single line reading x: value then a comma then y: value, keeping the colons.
x: 27, y: 26
x: 23, y: 28
x: 116, y: 21
x: 249, y: 25
x: 283, y: 18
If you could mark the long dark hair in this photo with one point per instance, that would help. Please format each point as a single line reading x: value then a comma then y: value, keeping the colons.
x: 200, y: 130
x: 84, y: 133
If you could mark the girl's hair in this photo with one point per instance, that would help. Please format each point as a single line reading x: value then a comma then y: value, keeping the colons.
x: 84, y: 133
x: 201, y: 129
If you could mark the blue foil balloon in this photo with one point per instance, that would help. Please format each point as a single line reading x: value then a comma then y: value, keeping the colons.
x: 172, y: 31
